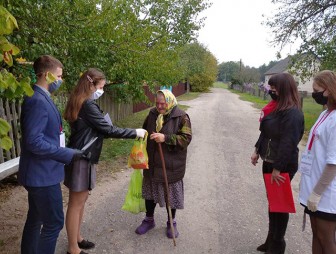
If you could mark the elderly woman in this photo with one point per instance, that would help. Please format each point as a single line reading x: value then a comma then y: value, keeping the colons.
x: 169, y: 125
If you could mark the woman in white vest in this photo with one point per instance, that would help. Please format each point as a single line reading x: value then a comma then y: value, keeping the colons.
x: 318, y: 167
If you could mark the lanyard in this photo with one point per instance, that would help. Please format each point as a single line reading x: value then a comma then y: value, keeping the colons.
x: 324, y: 117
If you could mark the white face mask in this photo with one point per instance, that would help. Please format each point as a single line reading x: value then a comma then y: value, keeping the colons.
x: 97, y: 94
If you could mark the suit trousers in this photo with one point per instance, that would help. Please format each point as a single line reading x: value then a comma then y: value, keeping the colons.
x: 45, y: 220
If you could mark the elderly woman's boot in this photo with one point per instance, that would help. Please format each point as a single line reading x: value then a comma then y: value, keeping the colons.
x: 170, y: 231
x: 147, y: 224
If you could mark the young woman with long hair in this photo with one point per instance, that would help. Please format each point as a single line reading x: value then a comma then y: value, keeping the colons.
x: 87, y: 122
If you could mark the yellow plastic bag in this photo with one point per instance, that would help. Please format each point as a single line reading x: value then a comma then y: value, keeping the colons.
x: 134, y: 202
x: 138, y: 158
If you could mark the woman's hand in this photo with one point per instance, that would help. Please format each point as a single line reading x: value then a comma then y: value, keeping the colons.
x: 277, y: 177
x: 313, y: 201
x: 158, y: 137
x: 254, y: 158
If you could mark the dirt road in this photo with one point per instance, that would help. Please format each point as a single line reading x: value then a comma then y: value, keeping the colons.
x: 225, y: 202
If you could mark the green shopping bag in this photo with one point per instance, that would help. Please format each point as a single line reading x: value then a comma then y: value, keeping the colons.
x: 134, y: 202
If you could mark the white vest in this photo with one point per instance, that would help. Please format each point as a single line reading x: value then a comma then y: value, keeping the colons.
x: 323, y: 152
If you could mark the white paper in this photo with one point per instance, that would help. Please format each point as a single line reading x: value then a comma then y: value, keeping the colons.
x: 108, y: 119
x: 62, y: 139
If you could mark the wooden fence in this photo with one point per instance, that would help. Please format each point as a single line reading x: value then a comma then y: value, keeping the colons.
x: 10, y: 111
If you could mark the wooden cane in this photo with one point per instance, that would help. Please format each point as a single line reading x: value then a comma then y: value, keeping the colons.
x: 167, y: 192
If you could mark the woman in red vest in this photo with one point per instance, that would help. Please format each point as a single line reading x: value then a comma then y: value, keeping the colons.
x: 281, y: 129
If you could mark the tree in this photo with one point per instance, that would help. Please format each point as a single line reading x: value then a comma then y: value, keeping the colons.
x: 132, y: 41
x: 250, y: 74
x: 227, y: 70
x: 313, y: 22
x: 10, y: 86
x: 238, y: 73
x: 263, y: 68
x: 199, y: 65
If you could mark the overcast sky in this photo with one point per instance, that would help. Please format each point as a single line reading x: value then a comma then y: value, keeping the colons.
x: 233, y: 31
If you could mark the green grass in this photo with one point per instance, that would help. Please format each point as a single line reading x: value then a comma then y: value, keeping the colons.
x: 188, y: 96
x: 257, y: 101
x: 311, y: 112
x: 220, y: 85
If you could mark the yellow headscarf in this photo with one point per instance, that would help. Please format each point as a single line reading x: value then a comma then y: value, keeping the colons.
x: 171, y: 101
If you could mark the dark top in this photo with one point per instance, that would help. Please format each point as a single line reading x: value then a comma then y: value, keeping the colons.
x: 42, y: 159
x: 177, y: 131
x: 91, y: 123
x: 280, y: 134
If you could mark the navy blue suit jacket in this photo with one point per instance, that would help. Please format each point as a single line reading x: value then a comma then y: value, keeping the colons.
x: 42, y: 159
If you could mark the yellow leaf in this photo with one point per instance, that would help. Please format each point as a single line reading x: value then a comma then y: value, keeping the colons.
x: 6, y: 143
x: 7, y: 46
x: 7, y: 22
x: 5, y: 127
x: 15, y: 50
x: 25, y: 84
x: 21, y: 60
x: 8, y: 58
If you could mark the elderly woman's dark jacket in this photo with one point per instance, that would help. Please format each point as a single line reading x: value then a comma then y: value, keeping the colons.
x: 280, y: 134
x: 177, y: 131
x: 90, y: 124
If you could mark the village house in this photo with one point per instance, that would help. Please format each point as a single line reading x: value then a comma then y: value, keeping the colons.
x: 284, y: 66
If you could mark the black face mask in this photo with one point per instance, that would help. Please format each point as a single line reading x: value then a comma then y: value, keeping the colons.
x: 320, y: 98
x: 273, y: 95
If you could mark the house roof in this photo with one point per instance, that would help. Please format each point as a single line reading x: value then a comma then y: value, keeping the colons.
x: 280, y: 67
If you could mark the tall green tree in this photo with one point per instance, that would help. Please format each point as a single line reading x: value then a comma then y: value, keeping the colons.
x: 312, y: 22
x: 227, y: 70
x: 238, y: 73
x: 250, y: 74
x: 199, y: 65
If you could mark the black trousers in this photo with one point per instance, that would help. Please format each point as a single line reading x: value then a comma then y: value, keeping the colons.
x: 150, y: 208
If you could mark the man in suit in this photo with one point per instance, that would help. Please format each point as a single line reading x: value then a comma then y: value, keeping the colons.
x: 43, y: 155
